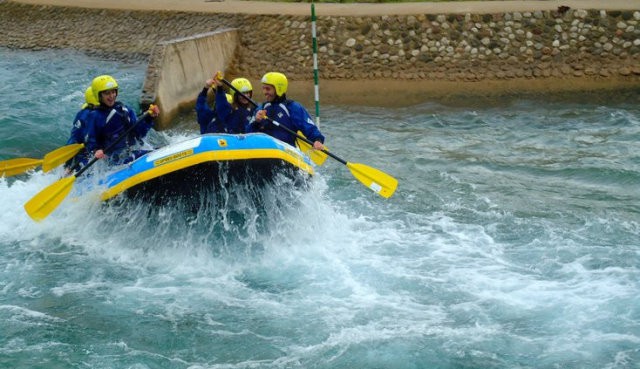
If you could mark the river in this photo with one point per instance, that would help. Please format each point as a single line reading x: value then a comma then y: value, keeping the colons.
x: 513, y: 241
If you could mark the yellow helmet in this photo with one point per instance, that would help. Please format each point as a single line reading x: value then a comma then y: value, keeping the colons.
x: 103, y: 83
x: 229, y: 98
x: 241, y: 84
x: 89, y: 98
x: 277, y: 80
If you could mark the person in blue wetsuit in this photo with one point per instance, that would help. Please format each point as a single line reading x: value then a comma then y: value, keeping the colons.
x: 111, y: 119
x: 79, y: 129
x: 234, y: 116
x: 207, y: 117
x: 288, y: 113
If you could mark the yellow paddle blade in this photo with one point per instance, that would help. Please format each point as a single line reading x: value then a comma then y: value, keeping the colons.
x: 17, y: 166
x: 60, y: 156
x: 316, y: 156
x: 378, y: 181
x: 47, y: 200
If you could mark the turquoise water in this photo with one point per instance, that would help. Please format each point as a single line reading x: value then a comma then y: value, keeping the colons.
x: 513, y: 241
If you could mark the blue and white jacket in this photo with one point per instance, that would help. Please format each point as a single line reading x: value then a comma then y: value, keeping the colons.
x: 290, y: 114
x: 207, y: 117
x: 105, y: 125
x: 231, y: 120
x: 79, y: 130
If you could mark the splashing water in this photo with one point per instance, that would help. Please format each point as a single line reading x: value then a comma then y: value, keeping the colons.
x: 512, y: 242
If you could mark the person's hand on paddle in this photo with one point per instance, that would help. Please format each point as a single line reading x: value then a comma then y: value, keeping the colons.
x: 318, y: 145
x: 260, y: 115
x: 154, y: 111
x: 99, y: 154
x: 212, y: 83
x: 261, y: 119
x: 217, y: 79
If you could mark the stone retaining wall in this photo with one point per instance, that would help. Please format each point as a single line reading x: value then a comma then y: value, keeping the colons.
x: 476, y: 47
x: 567, y: 43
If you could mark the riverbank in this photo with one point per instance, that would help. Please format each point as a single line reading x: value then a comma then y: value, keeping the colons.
x: 429, y: 50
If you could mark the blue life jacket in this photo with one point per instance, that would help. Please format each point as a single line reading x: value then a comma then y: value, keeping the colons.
x: 231, y: 120
x: 207, y: 117
x: 106, y: 125
x: 79, y: 129
x: 290, y: 114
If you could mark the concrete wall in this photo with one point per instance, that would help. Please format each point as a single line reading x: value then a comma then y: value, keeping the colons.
x: 178, y: 68
x: 563, y: 43
x: 379, y: 60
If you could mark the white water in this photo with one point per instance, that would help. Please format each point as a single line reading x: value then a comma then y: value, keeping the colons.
x: 512, y: 242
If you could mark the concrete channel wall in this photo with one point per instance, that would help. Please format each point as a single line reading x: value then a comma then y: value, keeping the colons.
x: 391, y: 60
x: 178, y: 68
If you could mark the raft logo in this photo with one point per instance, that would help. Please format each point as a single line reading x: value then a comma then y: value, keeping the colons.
x: 174, y: 157
x: 293, y: 153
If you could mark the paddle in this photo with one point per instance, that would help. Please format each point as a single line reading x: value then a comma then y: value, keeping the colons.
x: 17, y: 166
x: 376, y: 180
x: 317, y: 156
x: 53, y: 159
x: 47, y: 200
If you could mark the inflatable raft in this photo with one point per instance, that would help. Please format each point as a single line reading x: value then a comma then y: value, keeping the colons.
x: 187, y: 167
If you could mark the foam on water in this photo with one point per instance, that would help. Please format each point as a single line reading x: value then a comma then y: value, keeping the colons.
x: 512, y: 242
